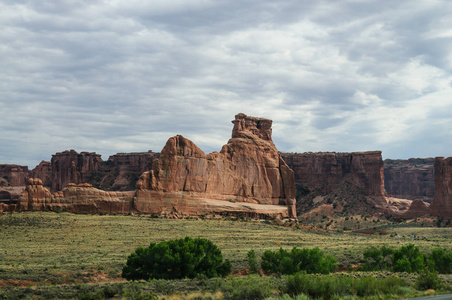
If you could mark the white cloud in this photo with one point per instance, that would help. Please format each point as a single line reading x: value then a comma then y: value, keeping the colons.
x: 115, y: 76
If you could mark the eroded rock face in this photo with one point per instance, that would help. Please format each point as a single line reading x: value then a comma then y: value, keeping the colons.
x: 35, y: 196
x: 410, y: 179
x: 247, y: 169
x: 326, y: 176
x: 72, y: 167
x: 442, y: 201
x: 43, y: 171
x: 13, y: 175
x: 122, y: 170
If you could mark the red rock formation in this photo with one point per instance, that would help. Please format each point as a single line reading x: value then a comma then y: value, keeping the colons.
x: 43, y: 171
x: 322, y: 174
x: 35, y: 196
x: 72, y: 167
x: 122, y: 170
x: 410, y: 179
x: 85, y: 198
x: 247, y: 169
x: 13, y: 175
x: 442, y: 201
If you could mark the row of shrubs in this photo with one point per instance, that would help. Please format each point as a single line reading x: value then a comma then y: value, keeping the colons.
x: 297, y: 286
x: 406, y: 259
x: 188, y: 258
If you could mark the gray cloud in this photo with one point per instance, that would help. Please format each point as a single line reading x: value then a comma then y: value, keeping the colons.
x: 115, y: 76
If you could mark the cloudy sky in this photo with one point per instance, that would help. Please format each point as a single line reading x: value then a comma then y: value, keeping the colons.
x: 123, y: 76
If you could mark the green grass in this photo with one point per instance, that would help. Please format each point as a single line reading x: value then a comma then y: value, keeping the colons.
x: 45, y: 247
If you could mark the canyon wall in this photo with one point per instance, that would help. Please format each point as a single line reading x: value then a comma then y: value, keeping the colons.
x: 410, y: 179
x: 248, y: 177
x: 326, y: 177
x: 442, y: 201
x: 13, y: 175
x: 122, y: 170
x: 72, y: 167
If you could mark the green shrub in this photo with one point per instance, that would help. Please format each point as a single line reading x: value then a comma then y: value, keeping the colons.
x: 440, y: 261
x: 252, y: 261
x: 428, y: 279
x: 253, y: 287
x: 309, y: 260
x: 182, y: 258
x: 377, y: 259
x: 329, y: 287
x: 408, y: 259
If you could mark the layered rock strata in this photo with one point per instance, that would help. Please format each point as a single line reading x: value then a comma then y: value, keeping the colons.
x: 248, y: 169
x: 325, y: 177
x: 122, y: 170
x: 410, y: 179
x: 248, y: 177
x: 72, y: 167
x: 13, y: 175
x: 442, y: 201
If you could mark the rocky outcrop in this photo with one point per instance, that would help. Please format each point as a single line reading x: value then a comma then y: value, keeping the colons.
x: 35, y: 196
x: 410, y: 179
x: 43, y: 171
x: 13, y: 175
x: 87, y: 199
x: 72, y: 167
x: 247, y: 177
x: 442, y: 201
x: 122, y: 170
x: 248, y: 169
x: 328, y: 177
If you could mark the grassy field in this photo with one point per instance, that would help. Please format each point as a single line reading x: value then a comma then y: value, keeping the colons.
x: 45, y: 247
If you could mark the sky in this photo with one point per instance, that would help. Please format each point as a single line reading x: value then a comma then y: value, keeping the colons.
x: 124, y: 76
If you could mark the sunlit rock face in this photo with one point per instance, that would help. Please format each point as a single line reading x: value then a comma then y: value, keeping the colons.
x: 247, y: 169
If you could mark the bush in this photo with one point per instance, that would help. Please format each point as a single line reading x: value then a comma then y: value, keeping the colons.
x: 408, y: 259
x: 252, y: 262
x: 440, y: 261
x: 253, y: 287
x: 308, y: 260
x: 328, y: 287
x: 428, y: 279
x: 377, y: 259
x: 175, y: 259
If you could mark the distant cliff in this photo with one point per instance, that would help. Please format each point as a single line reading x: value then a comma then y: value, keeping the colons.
x: 410, y: 179
x: 442, y: 201
x: 342, y: 178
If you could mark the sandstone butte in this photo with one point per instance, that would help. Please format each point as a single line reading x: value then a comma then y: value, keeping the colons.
x: 248, y: 176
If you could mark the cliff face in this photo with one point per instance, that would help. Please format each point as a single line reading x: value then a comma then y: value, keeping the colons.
x: 410, y: 179
x: 442, y: 201
x: 72, y: 167
x: 43, y: 171
x: 329, y: 176
x: 247, y: 169
x: 248, y: 176
x: 122, y: 170
x: 13, y: 175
